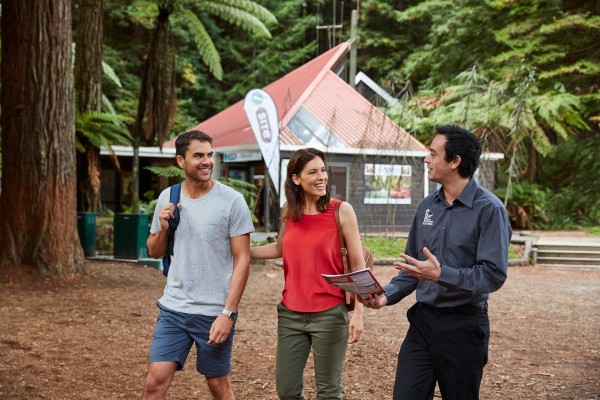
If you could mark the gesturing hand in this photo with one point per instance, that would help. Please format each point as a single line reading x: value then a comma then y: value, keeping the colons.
x: 428, y: 270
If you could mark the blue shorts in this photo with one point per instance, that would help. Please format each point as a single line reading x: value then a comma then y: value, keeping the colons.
x: 174, y: 335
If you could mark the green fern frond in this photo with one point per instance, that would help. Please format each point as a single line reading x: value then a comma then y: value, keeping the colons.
x: 102, y: 129
x: 110, y: 72
x: 548, y: 55
x: 574, y: 21
x: 540, y: 141
x: 253, y: 8
x: 583, y: 67
x: 237, y: 17
x: 560, y: 111
x: 107, y: 105
x: 422, y: 10
x: 171, y: 171
x: 204, y: 43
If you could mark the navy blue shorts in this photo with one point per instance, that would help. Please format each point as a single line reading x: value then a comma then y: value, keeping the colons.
x: 174, y: 335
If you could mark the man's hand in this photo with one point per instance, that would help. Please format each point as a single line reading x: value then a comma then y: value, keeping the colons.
x: 428, y: 270
x: 220, y: 329
x: 374, y: 301
x: 165, y: 214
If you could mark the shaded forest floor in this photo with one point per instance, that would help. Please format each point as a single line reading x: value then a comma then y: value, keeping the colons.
x: 88, y: 337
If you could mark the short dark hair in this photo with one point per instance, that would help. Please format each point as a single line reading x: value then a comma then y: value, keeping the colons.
x: 185, y: 139
x: 294, y: 193
x: 461, y: 142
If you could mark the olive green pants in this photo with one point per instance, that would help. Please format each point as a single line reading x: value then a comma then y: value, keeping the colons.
x: 326, y: 332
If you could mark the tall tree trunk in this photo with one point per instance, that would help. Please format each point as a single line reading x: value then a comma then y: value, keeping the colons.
x: 88, y: 86
x: 157, y: 101
x: 38, y: 205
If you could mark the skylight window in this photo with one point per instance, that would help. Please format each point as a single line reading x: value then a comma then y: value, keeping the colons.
x: 311, y: 132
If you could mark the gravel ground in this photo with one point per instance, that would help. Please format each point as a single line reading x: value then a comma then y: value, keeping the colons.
x: 88, y: 337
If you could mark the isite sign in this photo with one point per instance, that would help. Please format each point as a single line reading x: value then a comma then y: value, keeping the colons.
x: 240, y: 156
x: 263, y: 123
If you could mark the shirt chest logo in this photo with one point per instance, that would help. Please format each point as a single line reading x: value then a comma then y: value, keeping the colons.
x: 427, y: 220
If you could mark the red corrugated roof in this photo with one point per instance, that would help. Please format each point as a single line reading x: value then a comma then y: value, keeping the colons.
x: 352, y: 118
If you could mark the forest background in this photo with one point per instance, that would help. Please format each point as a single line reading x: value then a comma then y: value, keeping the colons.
x: 523, y: 76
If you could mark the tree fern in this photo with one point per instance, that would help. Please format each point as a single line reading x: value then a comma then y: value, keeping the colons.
x: 102, y: 129
x: 204, y: 43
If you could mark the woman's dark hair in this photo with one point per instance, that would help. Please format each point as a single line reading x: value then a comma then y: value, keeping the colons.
x: 461, y: 142
x: 184, y: 140
x: 293, y: 192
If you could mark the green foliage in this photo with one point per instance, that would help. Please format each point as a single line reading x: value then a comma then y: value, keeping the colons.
x: 459, y: 34
x: 522, y: 75
x: 258, y: 61
x: 593, y: 230
x: 171, y: 171
x: 109, y: 72
x: 210, y: 55
x: 384, y: 247
x: 552, y: 41
x: 535, y: 81
x: 575, y: 195
x: 527, y: 205
x: 244, y: 14
x: 102, y: 129
x: 385, y: 43
x: 146, y: 206
x: 515, y: 251
x: 511, y: 117
x: 122, y: 97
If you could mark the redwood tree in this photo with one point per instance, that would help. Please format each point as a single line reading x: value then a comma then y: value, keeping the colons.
x: 88, y: 86
x: 38, y: 214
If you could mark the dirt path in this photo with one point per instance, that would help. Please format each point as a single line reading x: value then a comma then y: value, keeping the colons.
x: 88, y: 338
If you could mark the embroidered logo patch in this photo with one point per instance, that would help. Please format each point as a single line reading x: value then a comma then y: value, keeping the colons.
x: 427, y: 220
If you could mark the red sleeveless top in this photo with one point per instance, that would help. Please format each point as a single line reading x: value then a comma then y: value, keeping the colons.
x: 311, y: 248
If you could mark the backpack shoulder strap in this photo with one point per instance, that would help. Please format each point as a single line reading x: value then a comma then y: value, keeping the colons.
x: 174, y: 198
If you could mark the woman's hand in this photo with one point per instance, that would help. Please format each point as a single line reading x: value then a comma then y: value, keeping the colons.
x: 357, y: 327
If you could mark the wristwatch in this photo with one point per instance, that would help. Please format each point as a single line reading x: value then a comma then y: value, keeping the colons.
x: 232, y: 315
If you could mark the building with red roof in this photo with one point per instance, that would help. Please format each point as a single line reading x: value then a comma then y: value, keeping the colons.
x: 373, y: 163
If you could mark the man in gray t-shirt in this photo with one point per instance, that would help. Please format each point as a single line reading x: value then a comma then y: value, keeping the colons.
x: 208, y: 273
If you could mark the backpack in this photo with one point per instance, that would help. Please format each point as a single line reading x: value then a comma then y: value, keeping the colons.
x: 173, y: 222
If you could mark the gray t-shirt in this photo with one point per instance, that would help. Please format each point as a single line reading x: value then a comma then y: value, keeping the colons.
x: 202, y: 263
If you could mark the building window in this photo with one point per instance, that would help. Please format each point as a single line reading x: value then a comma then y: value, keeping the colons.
x: 311, y: 132
x: 388, y: 184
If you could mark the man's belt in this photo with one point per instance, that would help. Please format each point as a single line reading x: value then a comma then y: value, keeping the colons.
x: 465, y: 308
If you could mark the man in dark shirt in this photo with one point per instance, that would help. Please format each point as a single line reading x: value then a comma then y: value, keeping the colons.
x: 456, y: 254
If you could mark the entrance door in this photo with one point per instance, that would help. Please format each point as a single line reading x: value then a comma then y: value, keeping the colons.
x: 338, y: 180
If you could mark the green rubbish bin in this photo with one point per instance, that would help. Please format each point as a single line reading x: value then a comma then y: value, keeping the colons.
x: 86, y: 226
x: 131, y: 232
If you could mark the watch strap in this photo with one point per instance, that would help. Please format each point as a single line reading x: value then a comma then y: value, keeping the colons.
x: 232, y: 315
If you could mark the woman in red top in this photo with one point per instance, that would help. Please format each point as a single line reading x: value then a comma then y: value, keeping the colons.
x: 312, y: 313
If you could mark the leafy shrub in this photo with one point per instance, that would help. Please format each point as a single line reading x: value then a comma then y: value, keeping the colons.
x: 571, y: 170
x: 527, y: 205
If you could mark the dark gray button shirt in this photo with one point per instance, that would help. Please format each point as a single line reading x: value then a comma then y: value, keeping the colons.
x: 470, y: 239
